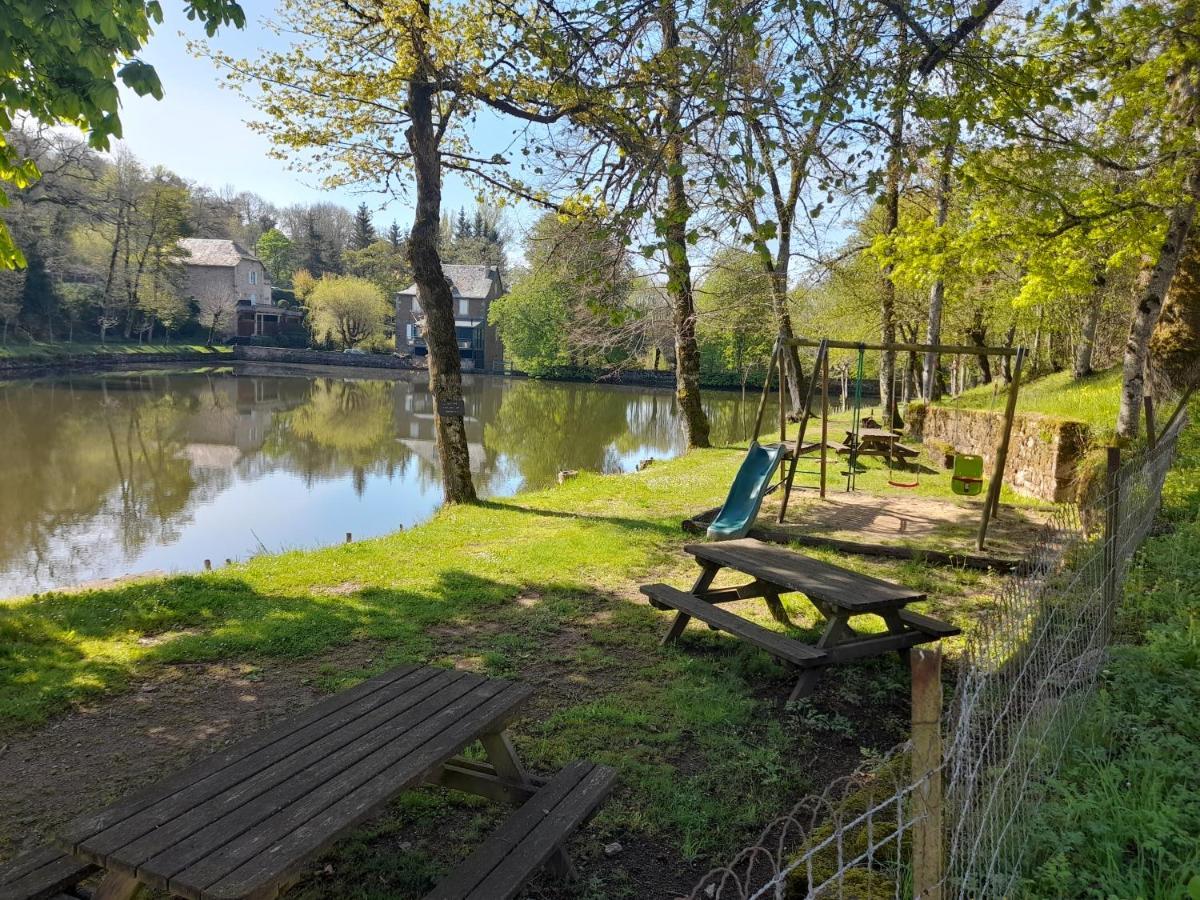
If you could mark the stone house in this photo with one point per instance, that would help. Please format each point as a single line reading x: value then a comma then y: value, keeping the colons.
x: 473, y: 289
x: 223, y: 273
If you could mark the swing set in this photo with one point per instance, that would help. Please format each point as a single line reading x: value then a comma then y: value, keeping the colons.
x: 865, y: 436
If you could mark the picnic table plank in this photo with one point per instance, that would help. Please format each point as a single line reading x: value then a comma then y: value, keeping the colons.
x: 541, y: 842
x: 86, y: 826
x: 309, y: 789
x: 819, y: 581
x: 778, y: 645
x: 137, y: 836
x: 252, y: 815
x: 283, y: 844
x: 246, y: 798
x: 527, y: 839
x: 41, y: 873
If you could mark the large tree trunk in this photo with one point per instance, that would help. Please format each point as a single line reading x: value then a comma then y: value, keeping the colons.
x: 679, y: 271
x: 891, y: 199
x: 1175, y: 342
x: 433, y: 293
x: 1152, y: 284
x: 1087, y: 339
x: 937, y: 294
x: 978, y: 335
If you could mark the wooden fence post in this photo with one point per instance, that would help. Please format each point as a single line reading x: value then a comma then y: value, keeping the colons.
x: 928, y: 860
x: 1112, y: 519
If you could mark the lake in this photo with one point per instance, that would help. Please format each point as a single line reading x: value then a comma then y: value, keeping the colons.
x: 120, y: 473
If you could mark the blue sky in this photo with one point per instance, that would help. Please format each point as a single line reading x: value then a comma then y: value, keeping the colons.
x: 199, y: 130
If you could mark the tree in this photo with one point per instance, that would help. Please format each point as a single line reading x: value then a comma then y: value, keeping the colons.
x: 275, y: 251
x: 381, y: 264
x: 351, y: 307
x: 572, y: 306
x: 69, y: 54
x: 796, y: 84
x: 480, y: 240
x: 394, y: 236
x: 12, y: 286
x: 418, y: 69
x: 364, y: 230
x: 217, y: 312
x: 737, y: 317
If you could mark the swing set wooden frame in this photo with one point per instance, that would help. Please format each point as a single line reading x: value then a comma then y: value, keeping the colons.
x: 778, y: 368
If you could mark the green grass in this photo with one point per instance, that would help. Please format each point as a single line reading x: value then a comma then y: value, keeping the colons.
x: 542, y: 588
x: 1093, y: 400
x: 1122, y: 818
x: 61, y: 350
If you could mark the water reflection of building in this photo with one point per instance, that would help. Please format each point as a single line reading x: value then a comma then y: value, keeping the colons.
x: 415, y: 421
x: 233, y: 417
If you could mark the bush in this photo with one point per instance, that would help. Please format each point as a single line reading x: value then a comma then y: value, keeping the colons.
x: 1121, y: 818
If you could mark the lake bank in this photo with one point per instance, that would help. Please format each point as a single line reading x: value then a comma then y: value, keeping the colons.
x: 162, y: 468
x: 541, y: 587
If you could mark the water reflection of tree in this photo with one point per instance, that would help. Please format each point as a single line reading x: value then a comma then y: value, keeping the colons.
x: 340, y: 427
x: 89, y: 466
x: 544, y: 427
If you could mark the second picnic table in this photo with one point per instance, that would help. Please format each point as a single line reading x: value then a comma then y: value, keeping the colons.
x: 244, y: 822
x: 838, y: 594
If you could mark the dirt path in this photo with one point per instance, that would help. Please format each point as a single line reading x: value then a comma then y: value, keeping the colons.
x: 184, y: 712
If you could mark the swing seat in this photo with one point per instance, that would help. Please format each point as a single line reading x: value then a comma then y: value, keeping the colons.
x: 904, y: 484
x: 967, y: 479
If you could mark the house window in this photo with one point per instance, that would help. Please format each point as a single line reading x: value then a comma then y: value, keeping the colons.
x: 254, y: 276
x: 464, y: 307
x: 411, y: 330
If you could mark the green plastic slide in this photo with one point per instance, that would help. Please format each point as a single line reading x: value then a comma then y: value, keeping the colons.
x: 746, y: 493
x: 967, y: 479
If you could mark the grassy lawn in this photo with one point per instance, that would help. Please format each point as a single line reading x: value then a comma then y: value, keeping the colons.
x: 1093, y: 400
x: 1123, y: 817
x: 60, y: 350
x: 541, y: 588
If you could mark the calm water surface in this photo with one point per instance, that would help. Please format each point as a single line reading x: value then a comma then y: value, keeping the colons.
x: 113, y: 474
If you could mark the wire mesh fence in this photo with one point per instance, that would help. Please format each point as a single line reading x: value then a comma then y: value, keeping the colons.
x: 1023, y: 681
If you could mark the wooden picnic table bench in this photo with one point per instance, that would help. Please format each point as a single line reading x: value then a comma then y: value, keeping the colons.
x: 245, y: 821
x: 878, y: 442
x: 838, y: 594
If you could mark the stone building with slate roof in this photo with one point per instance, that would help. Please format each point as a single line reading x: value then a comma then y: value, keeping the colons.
x: 225, y: 271
x: 473, y: 289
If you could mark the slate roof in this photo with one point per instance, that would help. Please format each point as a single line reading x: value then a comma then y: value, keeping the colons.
x: 472, y: 282
x: 213, y: 252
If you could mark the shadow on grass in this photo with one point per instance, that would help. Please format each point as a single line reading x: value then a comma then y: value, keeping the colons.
x: 60, y: 648
x: 643, y: 526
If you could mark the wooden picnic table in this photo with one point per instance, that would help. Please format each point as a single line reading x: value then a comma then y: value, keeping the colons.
x: 244, y: 822
x: 878, y: 442
x: 838, y: 594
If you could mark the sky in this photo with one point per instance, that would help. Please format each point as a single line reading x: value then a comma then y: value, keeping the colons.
x: 199, y: 129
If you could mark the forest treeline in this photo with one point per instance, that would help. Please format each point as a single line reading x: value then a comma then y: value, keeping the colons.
x: 99, y: 234
x: 975, y: 172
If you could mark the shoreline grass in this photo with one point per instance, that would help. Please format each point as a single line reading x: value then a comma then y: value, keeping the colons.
x: 542, y: 588
x: 61, y: 351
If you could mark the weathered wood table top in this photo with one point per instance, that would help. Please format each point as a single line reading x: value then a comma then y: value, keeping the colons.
x: 876, y: 434
x: 244, y: 821
x: 819, y: 581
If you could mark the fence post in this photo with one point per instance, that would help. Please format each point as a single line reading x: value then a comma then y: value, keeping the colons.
x: 1112, y: 518
x: 928, y: 861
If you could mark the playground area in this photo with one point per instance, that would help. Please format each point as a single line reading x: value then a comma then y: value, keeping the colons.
x: 853, y: 476
x: 908, y: 523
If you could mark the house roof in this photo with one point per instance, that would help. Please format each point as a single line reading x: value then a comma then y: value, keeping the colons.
x: 214, y: 252
x: 471, y: 282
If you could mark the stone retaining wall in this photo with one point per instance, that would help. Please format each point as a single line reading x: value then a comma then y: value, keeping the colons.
x: 249, y: 353
x: 1042, y: 456
x: 26, y: 366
